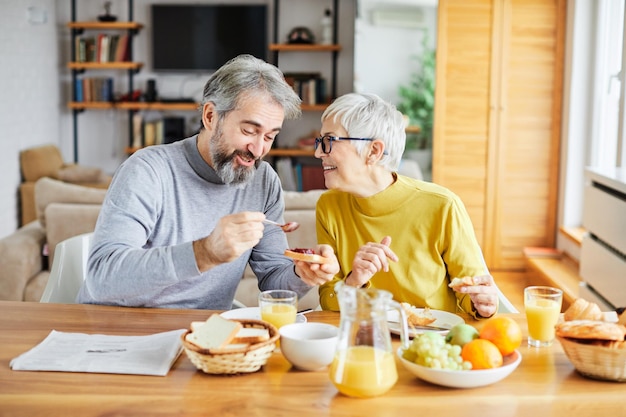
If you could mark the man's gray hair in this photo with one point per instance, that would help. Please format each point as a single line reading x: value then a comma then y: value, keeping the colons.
x: 246, y: 76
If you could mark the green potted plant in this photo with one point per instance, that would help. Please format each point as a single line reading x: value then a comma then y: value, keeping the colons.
x: 418, y: 101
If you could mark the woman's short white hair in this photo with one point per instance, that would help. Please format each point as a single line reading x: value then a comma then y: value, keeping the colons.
x: 369, y: 116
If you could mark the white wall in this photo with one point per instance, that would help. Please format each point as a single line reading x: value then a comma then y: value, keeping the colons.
x: 29, y: 92
x: 385, y: 49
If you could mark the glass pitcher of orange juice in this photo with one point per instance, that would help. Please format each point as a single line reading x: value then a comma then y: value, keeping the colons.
x: 364, y: 363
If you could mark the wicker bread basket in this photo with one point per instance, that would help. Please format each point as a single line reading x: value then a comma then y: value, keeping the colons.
x: 597, y: 362
x: 234, y: 362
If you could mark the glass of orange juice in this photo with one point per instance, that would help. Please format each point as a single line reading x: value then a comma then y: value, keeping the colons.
x: 543, y: 306
x: 278, y: 307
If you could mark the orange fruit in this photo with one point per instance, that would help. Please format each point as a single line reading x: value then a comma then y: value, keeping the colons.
x: 482, y: 354
x: 504, y: 332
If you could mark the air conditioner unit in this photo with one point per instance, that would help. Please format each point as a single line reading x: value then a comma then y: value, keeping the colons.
x: 404, y: 17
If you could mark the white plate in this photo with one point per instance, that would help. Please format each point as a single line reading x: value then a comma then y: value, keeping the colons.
x: 463, y: 379
x: 252, y: 313
x: 444, y: 319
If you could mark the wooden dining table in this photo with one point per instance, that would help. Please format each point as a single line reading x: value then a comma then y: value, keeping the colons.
x: 544, y: 384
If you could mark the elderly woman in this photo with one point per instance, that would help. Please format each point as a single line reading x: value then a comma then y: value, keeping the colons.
x: 391, y: 232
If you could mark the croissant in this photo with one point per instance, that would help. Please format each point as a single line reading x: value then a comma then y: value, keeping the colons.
x: 582, y: 309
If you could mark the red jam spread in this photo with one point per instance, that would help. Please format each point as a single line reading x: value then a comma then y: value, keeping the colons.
x: 303, y: 250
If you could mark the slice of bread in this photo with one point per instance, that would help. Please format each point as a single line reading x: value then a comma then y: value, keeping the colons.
x: 306, y: 255
x: 417, y: 318
x: 251, y: 335
x: 215, y: 333
x: 231, y: 347
x: 457, y: 282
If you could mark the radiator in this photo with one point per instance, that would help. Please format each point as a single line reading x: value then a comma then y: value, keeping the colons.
x: 603, y: 250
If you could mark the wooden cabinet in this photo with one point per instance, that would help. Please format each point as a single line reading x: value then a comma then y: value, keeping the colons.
x: 497, y: 119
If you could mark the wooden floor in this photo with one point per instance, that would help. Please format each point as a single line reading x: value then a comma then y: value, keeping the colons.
x: 512, y: 284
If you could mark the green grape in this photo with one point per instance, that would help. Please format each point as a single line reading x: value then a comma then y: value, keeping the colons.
x: 430, y: 349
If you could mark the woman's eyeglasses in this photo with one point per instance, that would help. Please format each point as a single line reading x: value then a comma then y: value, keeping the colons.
x: 327, y: 142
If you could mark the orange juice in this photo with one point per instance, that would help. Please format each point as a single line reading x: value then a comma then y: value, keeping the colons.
x: 363, y: 371
x: 542, y: 316
x: 279, y: 314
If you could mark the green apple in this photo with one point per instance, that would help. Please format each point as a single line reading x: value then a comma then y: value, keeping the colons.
x: 461, y: 334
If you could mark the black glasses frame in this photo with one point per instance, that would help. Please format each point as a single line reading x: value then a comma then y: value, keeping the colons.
x: 328, y: 140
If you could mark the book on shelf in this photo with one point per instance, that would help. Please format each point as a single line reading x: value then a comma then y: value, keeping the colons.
x: 310, y: 86
x: 149, y: 133
x: 90, y: 89
x: 113, y: 41
x: 78, y: 91
x: 137, y: 130
x: 102, y: 48
x: 159, y: 132
x: 121, y: 49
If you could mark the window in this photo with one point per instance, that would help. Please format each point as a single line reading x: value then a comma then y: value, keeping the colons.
x: 594, y: 100
x: 608, y: 86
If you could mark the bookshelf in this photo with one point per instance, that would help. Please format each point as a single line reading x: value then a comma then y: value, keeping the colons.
x: 117, y: 60
x: 333, y: 48
x: 277, y: 49
x: 103, y: 46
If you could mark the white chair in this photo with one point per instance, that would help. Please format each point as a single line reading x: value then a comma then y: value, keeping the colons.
x: 505, y: 306
x: 68, y: 270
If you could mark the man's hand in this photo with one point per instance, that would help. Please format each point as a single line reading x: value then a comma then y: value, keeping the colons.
x: 318, y: 274
x: 233, y: 235
x: 370, y: 258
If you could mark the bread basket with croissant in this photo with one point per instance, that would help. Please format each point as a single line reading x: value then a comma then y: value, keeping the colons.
x: 596, y: 348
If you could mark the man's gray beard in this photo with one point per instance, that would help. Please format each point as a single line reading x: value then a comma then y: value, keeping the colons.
x: 230, y: 175
x: 224, y: 163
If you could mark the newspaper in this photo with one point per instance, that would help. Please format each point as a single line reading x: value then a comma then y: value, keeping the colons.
x: 78, y: 352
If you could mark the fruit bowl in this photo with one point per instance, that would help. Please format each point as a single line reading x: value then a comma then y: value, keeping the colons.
x: 463, y: 379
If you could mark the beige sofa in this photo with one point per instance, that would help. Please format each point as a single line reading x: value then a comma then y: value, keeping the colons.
x: 46, y: 161
x: 66, y: 210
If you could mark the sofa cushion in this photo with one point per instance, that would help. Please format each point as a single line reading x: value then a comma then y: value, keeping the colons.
x: 79, y: 173
x: 41, y: 161
x: 20, y: 256
x: 307, y: 200
x: 48, y: 190
x: 36, y: 286
x: 66, y: 220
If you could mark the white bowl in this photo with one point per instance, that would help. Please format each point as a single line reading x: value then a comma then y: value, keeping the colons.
x: 308, y: 346
x: 464, y: 379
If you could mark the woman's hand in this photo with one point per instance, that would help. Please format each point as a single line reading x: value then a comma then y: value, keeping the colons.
x: 369, y: 259
x: 318, y: 274
x: 484, y: 295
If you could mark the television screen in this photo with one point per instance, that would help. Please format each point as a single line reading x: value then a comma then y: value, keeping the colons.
x: 204, y: 37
